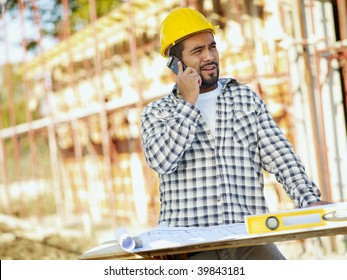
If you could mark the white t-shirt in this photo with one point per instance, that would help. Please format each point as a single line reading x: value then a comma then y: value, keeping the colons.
x: 206, y: 103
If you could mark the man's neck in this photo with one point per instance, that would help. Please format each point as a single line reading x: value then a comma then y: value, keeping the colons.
x: 208, y: 89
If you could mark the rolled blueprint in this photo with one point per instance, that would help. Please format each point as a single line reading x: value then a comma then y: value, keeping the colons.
x: 127, y: 242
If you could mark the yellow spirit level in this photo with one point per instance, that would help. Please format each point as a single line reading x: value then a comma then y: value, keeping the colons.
x: 296, y: 219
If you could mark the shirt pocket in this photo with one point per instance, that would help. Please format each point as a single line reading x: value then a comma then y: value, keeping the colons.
x: 244, y: 127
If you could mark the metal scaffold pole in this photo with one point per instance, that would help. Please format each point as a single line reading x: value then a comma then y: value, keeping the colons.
x: 3, y: 154
x: 315, y: 111
x: 103, y: 119
x: 52, y: 141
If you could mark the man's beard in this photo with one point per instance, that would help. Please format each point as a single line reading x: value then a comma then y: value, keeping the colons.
x: 211, y: 80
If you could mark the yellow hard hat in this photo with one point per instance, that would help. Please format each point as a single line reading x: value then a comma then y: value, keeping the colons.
x: 179, y: 24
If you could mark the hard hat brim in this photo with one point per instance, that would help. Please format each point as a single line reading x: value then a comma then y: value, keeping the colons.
x: 210, y: 30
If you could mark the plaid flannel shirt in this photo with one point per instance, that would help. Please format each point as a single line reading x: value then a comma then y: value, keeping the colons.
x: 210, y: 180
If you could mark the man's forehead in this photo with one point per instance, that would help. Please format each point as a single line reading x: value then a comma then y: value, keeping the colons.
x: 200, y: 39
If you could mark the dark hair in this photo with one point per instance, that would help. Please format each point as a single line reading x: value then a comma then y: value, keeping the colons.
x: 176, y: 50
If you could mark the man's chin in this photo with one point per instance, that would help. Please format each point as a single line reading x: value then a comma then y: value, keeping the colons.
x: 206, y: 83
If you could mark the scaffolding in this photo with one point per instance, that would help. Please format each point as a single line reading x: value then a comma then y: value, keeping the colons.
x: 78, y: 149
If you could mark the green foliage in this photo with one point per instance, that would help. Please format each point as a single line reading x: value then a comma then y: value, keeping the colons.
x: 80, y: 14
x: 51, y: 12
x: 52, y: 18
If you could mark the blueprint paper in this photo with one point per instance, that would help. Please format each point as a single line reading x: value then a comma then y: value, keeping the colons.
x: 168, y: 237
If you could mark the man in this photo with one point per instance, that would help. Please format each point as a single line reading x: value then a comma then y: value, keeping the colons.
x: 209, y: 140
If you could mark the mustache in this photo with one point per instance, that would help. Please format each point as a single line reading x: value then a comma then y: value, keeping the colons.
x: 209, y: 64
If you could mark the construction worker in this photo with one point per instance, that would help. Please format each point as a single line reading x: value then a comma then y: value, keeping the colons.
x: 209, y: 140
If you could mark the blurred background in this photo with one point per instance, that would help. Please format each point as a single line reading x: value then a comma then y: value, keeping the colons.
x: 75, y: 76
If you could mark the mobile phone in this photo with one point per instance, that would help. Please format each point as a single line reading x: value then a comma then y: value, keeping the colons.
x: 172, y: 64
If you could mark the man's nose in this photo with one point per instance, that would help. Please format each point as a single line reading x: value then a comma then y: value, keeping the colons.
x: 208, y: 56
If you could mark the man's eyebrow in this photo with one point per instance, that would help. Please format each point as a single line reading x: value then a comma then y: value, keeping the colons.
x: 201, y: 46
x: 196, y: 48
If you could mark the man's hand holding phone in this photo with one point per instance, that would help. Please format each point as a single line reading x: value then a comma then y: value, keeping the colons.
x: 188, y: 81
